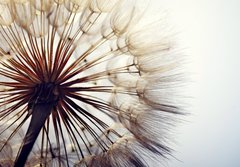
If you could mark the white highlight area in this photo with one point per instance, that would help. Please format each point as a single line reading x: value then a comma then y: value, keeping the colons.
x: 209, y: 31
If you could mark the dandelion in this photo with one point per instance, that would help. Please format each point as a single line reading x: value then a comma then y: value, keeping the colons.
x: 83, y: 85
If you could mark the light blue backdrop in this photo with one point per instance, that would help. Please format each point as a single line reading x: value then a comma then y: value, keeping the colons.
x: 210, y: 32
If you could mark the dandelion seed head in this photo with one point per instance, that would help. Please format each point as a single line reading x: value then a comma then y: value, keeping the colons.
x: 82, y: 84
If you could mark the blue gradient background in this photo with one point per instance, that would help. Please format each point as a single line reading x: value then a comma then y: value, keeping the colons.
x: 210, y: 32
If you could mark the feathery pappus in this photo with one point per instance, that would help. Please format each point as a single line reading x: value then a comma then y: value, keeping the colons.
x: 83, y: 84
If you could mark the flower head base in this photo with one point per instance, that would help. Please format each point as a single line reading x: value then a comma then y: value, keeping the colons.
x: 82, y: 85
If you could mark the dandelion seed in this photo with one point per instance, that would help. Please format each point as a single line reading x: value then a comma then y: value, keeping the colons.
x: 82, y: 85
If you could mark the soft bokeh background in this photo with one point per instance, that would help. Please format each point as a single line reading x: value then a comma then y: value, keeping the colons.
x: 210, y: 33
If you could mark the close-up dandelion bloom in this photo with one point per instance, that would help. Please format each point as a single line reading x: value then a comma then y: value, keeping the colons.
x: 84, y: 83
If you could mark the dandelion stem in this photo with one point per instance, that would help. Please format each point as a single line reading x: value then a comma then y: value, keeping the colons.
x: 40, y: 114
